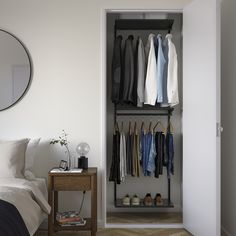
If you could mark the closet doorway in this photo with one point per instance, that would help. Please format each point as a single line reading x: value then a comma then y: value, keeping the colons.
x: 187, y: 185
x: 131, y: 118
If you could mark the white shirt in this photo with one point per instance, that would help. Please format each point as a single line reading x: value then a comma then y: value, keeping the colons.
x: 151, y: 80
x: 123, y: 169
x: 172, y: 73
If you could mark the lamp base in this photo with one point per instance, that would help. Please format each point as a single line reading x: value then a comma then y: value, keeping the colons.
x: 83, y: 162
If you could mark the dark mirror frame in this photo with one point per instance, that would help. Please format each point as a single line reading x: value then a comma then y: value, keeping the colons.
x: 30, y: 65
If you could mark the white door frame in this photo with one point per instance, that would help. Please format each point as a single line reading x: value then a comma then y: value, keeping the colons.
x: 104, y: 157
x: 104, y: 139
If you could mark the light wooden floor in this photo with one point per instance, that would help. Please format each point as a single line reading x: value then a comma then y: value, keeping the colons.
x: 134, y: 218
x: 144, y: 218
x: 125, y: 232
x: 127, y: 218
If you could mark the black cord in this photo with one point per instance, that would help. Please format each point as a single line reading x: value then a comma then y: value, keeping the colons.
x: 82, y: 202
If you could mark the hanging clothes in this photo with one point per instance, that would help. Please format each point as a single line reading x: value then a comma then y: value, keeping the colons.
x: 128, y: 74
x: 161, y: 62
x: 123, y: 168
x: 165, y: 50
x: 146, y: 141
x: 141, y: 73
x: 135, y: 154
x: 172, y: 77
x: 135, y: 84
x: 116, y: 70
x: 170, y: 154
x: 115, y: 165
x: 151, y: 81
x: 152, y: 155
x: 160, y: 150
x: 129, y: 166
x: 143, y: 149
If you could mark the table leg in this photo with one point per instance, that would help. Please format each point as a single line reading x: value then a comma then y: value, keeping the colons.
x: 94, y: 205
x: 50, y: 216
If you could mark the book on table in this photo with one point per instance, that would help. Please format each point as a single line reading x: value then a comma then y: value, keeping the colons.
x: 70, y: 218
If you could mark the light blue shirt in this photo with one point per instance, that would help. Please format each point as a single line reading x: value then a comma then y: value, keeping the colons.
x: 165, y: 50
x: 161, y: 62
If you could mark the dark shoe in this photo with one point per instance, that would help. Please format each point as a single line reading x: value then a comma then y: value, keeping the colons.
x: 158, y: 200
x: 147, y: 201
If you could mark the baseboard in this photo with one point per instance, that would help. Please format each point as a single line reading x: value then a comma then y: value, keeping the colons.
x: 146, y: 226
x: 224, y: 232
x: 101, y: 224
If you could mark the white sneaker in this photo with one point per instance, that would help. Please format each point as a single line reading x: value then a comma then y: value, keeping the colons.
x: 135, y: 201
x: 126, y: 200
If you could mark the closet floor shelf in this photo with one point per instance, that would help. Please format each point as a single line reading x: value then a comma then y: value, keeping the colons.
x: 165, y: 204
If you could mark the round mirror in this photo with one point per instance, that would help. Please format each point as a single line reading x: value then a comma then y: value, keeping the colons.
x: 15, y: 70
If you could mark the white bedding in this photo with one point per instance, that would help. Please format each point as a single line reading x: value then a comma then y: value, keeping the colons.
x: 27, y: 198
x: 41, y: 184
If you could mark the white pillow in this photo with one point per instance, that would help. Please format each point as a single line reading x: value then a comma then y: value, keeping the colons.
x: 29, y: 158
x: 12, y: 158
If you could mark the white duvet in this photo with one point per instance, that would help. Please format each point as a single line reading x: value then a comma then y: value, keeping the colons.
x: 28, y: 200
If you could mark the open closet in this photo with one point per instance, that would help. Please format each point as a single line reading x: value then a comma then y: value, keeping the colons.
x: 147, y: 122
x: 188, y: 196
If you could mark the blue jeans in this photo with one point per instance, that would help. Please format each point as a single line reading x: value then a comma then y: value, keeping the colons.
x: 146, y: 140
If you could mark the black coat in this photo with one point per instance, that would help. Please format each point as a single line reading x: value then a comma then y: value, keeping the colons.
x: 116, y: 70
x: 128, y: 76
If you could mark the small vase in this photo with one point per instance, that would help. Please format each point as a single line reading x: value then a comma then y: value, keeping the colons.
x: 68, y: 158
x: 68, y: 162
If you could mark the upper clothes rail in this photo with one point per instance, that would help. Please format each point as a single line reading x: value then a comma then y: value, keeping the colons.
x: 144, y: 24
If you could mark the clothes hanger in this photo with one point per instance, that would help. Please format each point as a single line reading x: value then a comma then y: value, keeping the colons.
x: 129, y: 127
x: 143, y: 127
x: 135, y: 127
x: 162, y: 127
x: 150, y: 126
x: 170, y: 128
x: 116, y: 127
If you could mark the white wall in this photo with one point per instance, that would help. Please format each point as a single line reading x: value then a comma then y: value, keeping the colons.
x: 64, y: 40
x: 228, y: 153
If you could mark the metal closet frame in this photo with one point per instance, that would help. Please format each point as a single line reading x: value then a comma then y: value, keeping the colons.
x: 124, y: 110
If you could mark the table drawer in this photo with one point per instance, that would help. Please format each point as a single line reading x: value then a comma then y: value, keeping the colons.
x: 71, y: 183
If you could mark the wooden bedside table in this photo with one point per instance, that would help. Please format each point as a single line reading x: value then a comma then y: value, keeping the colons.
x: 66, y: 181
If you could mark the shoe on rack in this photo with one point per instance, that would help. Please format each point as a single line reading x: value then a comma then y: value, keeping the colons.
x: 135, y: 200
x: 158, y: 199
x: 147, y: 201
x: 126, y: 200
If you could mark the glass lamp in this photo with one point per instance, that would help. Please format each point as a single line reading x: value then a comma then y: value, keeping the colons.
x: 83, y: 149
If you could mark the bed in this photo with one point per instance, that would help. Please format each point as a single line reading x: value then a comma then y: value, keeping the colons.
x: 29, y: 198
x: 23, y: 197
